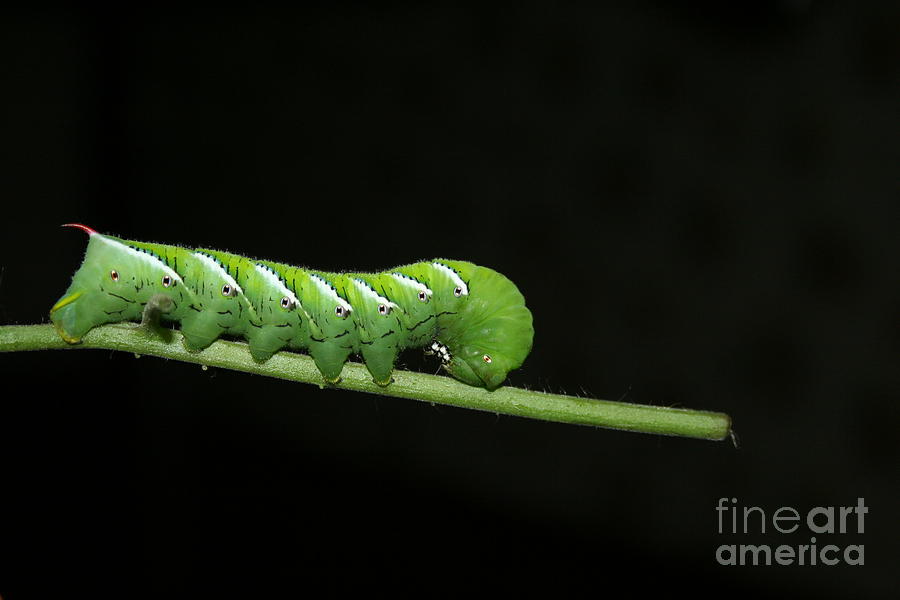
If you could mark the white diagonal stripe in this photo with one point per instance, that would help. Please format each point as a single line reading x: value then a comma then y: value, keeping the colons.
x: 146, y: 257
x: 366, y: 289
x: 213, y: 264
x: 454, y: 276
x: 329, y: 291
x: 275, y: 281
x: 408, y: 281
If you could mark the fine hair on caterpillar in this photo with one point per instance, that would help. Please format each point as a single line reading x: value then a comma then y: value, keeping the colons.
x: 472, y: 317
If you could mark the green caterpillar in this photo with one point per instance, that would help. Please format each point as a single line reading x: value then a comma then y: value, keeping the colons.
x: 473, y: 317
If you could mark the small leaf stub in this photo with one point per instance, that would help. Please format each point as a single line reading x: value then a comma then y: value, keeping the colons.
x: 157, y: 305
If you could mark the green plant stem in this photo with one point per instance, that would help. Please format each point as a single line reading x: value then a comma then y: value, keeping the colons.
x: 417, y: 386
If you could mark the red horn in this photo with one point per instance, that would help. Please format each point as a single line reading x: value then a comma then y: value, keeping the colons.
x: 84, y: 228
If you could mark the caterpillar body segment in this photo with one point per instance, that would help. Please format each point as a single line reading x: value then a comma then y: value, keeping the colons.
x: 474, y: 317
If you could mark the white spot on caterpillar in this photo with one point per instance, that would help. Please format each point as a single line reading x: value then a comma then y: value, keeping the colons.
x: 275, y: 281
x: 146, y: 257
x: 328, y: 290
x: 454, y: 277
x: 215, y: 266
x: 415, y: 284
x: 442, y: 351
x: 365, y: 289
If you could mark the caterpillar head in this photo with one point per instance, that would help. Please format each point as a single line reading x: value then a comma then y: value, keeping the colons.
x: 491, y: 332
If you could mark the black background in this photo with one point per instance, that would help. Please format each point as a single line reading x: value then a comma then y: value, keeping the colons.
x: 698, y: 203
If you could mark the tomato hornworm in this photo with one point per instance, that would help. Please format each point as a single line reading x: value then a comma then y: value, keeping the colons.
x: 473, y: 317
